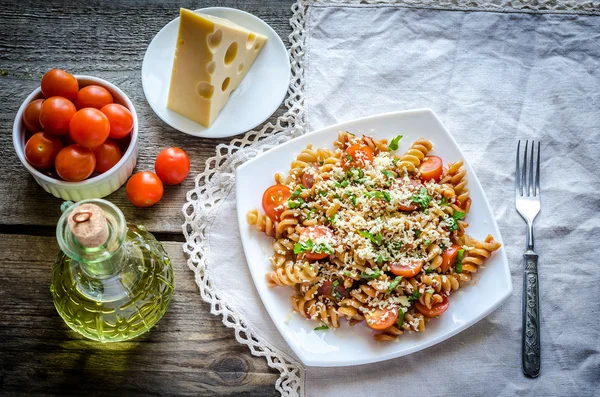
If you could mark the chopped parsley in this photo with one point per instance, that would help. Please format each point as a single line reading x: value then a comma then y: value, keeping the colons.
x: 372, y: 276
x: 414, y: 296
x: 311, y: 213
x: 321, y: 328
x: 394, y: 143
x: 352, y: 197
x: 334, y: 292
x: 417, y: 233
x: 343, y: 183
x: 334, y: 219
x: 298, y: 191
x: 323, y: 193
x: 310, y: 246
x: 388, y: 173
x: 393, y: 285
x: 380, y: 259
x: 443, y: 202
x: 452, y: 223
x: 376, y: 239
x: 377, y: 194
x: 426, y: 242
x: 429, y: 270
x: 295, y: 203
x: 400, y: 320
x: 422, y: 198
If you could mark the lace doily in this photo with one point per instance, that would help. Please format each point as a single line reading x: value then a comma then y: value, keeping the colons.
x: 218, y: 178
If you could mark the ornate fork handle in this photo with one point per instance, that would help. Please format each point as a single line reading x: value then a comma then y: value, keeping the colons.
x: 531, y: 316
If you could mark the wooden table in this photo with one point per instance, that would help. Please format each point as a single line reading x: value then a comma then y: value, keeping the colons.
x: 190, y: 352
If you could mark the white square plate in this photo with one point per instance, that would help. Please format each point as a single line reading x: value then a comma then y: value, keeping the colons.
x: 355, y: 345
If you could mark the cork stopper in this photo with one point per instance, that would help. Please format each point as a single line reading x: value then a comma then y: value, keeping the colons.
x: 88, y: 224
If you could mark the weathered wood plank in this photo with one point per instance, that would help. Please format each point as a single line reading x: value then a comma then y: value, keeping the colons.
x: 107, y: 40
x: 190, y: 352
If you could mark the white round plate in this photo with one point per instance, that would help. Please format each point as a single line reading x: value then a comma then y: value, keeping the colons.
x: 257, y: 97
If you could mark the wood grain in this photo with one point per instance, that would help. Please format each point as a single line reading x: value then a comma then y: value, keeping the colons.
x: 189, y: 352
x: 106, y: 39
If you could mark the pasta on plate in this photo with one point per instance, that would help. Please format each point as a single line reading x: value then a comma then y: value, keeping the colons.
x: 364, y: 234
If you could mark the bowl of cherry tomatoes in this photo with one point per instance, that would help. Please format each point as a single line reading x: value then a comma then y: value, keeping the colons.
x: 77, y: 136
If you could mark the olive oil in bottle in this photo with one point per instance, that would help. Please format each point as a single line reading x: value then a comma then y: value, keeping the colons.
x: 112, y: 281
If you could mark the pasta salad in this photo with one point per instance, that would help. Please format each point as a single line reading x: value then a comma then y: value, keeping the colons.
x: 364, y: 234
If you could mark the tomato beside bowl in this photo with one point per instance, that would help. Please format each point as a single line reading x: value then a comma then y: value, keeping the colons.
x: 97, y: 186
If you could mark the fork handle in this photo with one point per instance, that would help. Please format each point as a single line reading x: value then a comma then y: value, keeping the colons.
x: 531, y: 316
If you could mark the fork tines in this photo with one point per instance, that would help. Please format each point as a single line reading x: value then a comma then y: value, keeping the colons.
x: 525, y: 184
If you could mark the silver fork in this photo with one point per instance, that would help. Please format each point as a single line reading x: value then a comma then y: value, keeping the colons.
x: 527, y: 201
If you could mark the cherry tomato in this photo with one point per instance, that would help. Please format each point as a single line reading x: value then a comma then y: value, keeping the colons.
x: 57, y: 82
x: 121, y: 120
x: 315, y: 233
x: 431, y: 168
x: 326, y: 289
x: 75, y: 163
x: 436, y: 309
x: 172, y: 166
x: 273, y: 199
x: 56, y: 114
x: 406, y: 270
x: 408, y: 206
x: 41, y: 150
x: 144, y: 189
x: 107, y: 155
x: 31, y: 116
x: 381, y: 319
x: 89, y: 127
x: 449, y: 257
x: 93, y: 96
x: 360, y: 154
x: 308, y: 178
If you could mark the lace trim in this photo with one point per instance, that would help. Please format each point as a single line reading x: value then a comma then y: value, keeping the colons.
x: 216, y: 182
x: 589, y: 7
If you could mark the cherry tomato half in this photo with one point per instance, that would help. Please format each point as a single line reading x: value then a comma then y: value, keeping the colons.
x: 144, y: 189
x: 56, y: 114
x: 436, y: 309
x: 273, y: 200
x: 57, y: 82
x: 381, y: 319
x: 107, y: 155
x: 308, y: 177
x: 449, y: 257
x: 41, y: 150
x: 121, y: 120
x: 31, y: 116
x: 93, y: 96
x: 406, y: 270
x: 359, y: 155
x: 75, y: 163
x: 431, y: 168
x: 89, y: 127
x: 317, y: 233
x: 326, y: 289
x: 172, y: 166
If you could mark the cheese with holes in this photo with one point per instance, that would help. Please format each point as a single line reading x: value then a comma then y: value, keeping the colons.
x: 212, y: 57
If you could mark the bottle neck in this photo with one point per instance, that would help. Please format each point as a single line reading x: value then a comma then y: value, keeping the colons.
x: 101, y: 261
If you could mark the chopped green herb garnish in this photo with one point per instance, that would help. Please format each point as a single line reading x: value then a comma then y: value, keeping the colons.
x: 395, y: 160
x: 430, y: 291
x: 311, y: 213
x: 429, y: 271
x: 349, y: 157
x: 347, y: 273
x: 387, y: 173
x: 436, y: 316
x: 443, y: 202
x: 298, y: 191
x: 377, y: 194
x: 323, y: 248
x: 459, y: 258
x: 452, y: 223
x: 343, y: 183
x: 422, y: 198
x: 394, y: 143
x: 376, y: 239
x: 321, y: 162
x: 415, y: 296
x: 323, y: 193
x: 334, y: 219
x: 372, y: 276
x: 321, y: 328
x: 393, y: 285
x: 380, y: 259
x: 352, y: 197
x: 417, y: 233
x: 400, y: 320
x: 303, y: 246
x: 443, y: 247
x: 295, y: 203
x: 397, y: 245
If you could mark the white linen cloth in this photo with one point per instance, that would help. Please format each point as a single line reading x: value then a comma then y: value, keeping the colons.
x: 492, y: 78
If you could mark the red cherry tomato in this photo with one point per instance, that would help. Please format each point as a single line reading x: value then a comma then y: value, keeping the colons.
x: 326, y: 289
x: 107, y: 155
x: 273, y: 199
x: 315, y: 233
x: 75, y: 163
x: 31, y: 116
x: 381, y: 319
x: 436, y: 309
x: 406, y: 270
x: 57, y: 82
x: 172, y: 166
x: 41, y: 150
x: 308, y: 177
x: 431, y: 168
x: 89, y: 127
x: 93, y: 96
x: 144, y: 189
x: 359, y: 155
x: 449, y: 257
x: 121, y: 120
x: 56, y: 114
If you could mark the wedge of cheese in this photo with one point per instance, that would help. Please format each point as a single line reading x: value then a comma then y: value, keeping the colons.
x: 211, y: 58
